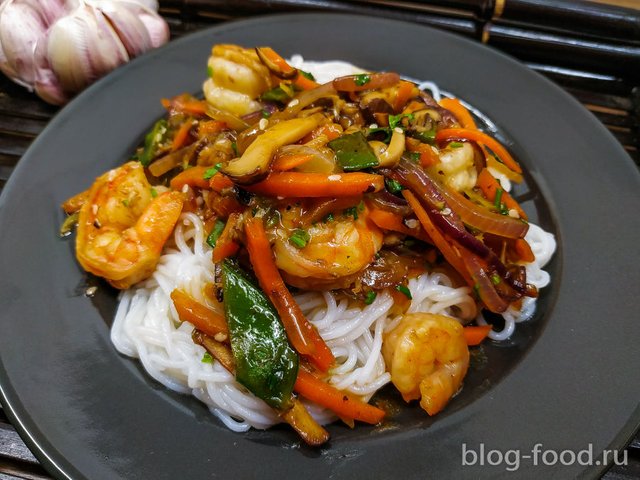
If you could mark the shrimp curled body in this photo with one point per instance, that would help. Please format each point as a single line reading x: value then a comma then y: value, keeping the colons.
x: 122, y: 228
x: 427, y: 357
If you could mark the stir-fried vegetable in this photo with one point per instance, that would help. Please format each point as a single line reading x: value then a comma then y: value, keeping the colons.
x: 265, y: 363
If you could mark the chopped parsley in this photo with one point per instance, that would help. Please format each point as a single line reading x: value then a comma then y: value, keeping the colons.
x: 266, y: 113
x: 154, y: 193
x: 495, y: 279
x: 370, y: 297
x: 404, y: 290
x: 209, y: 71
x: 210, y: 172
x: 234, y: 146
x: 216, y: 231
x: 361, y: 79
x: 428, y: 136
x: 329, y: 218
x: 498, y: 204
x: 299, y: 238
x: 456, y: 145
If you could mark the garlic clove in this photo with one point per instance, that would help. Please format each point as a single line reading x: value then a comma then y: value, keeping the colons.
x: 150, y: 4
x: 82, y: 47
x: 130, y: 29
x: 21, y: 27
x: 156, y: 26
x: 49, y: 10
x: 46, y: 84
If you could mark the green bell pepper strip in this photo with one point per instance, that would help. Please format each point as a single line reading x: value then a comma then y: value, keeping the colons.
x: 151, y: 142
x: 353, y: 152
x: 265, y: 363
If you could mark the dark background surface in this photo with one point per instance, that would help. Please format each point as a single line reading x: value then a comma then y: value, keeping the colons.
x: 589, y: 49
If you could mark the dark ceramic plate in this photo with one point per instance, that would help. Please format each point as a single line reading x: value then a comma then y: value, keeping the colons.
x: 568, y: 380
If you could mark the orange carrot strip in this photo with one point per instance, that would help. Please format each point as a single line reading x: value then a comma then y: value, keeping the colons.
x: 275, y: 58
x: 303, y: 336
x: 390, y: 221
x: 462, y: 114
x: 201, y: 316
x: 194, y: 177
x: 329, y: 130
x: 226, y: 246
x: 219, y: 182
x: 288, y: 162
x: 489, y: 186
x: 305, y: 83
x: 181, y: 136
x: 477, y: 136
x: 343, y: 404
x: 413, y: 106
x: 438, y: 239
x: 427, y: 156
x: 194, y: 107
x: 475, y: 335
x: 299, y: 184
x: 523, y: 249
x: 210, y: 127
x: 404, y: 93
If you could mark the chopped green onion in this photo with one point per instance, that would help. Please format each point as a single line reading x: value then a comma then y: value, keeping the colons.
x: 361, y: 79
x: 395, y: 120
x: 207, y: 358
x: 234, y: 146
x: 299, y: 238
x: 277, y: 94
x: 216, y: 231
x: 69, y: 223
x: 428, y: 136
x: 393, y: 185
x: 495, y: 279
x: 125, y: 202
x: 154, y: 193
x: 456, y: 145
x: 210, y: 172
x: 414, y: 156
x: 307, y: 75
x: 266, y: 113
x: 209, y: 71
x: 329, y: 218
x: 370, y: 297
x: 404, y: 290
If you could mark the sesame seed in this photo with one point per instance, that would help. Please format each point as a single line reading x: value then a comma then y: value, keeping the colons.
x: 334, y: 178
x: 514, y: 213
x: 185, y: 188
x: 94, y: 208
x: 446, y: 211
x: 91, y: 291
x: 263, y: 123
x: 411, y: 223
x: 294, y: 102
x: 220, y: 337
x: 373, y: 125
x: 397, y: 130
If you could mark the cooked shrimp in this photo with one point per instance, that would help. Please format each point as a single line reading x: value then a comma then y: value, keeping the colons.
x: 336, y: 248
x: 122, y: 228
x: 427, y: 357
x: 238, y: 77
x: 457, y: 167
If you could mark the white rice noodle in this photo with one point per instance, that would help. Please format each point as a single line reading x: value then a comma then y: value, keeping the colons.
x: 147, y: 327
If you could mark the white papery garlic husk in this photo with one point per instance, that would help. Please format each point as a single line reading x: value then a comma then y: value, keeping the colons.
x: 59, y: 47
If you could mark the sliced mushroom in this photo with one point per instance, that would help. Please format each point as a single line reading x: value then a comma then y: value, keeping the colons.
x: 254, y: 163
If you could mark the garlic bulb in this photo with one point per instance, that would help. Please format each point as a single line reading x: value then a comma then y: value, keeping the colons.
x: 59, y: 47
